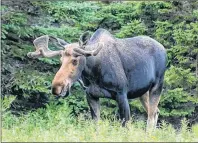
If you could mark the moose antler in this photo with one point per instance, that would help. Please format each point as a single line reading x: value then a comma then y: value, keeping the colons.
x: 42, y: 50
x: 60, y: 42
x: 86, y: 53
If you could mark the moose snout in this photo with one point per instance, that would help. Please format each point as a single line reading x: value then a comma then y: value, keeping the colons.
x: 56, y: 90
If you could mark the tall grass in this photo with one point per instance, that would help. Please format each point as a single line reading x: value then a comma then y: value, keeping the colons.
x: 56, y: 124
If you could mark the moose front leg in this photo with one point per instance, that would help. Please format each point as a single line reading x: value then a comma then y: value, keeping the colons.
x: 94, y: 92
x: 123, y: 107
x: 94, y: 106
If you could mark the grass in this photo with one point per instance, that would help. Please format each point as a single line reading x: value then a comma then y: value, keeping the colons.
x: 56, y: 124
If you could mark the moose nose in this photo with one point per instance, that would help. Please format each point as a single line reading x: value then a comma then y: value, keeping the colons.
x: 56, y: 90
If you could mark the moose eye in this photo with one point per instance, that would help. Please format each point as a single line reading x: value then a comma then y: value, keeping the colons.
x: 74, y: 62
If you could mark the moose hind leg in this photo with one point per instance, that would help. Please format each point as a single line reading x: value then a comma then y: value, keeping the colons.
x: 156, y: 117
x: 145, y: 101
x: 154, y: 98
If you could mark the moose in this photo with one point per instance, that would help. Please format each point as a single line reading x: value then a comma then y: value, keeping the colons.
x: 110, y: 67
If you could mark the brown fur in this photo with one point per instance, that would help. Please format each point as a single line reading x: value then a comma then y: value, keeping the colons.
x: 67, y: 69
x: 150, y: 103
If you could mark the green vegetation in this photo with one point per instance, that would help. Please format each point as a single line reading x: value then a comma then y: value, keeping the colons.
x: 29, y: 111
x: 55, y: 123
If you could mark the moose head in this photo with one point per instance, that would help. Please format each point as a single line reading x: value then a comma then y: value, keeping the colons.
x: 73, y: 60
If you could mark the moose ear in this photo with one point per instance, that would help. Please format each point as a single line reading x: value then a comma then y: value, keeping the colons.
x: 84, y: 38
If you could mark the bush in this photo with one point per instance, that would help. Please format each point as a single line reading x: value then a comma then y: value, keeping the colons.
x: 55, y: 123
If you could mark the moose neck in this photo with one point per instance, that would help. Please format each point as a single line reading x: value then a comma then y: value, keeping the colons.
x: 91, y: 70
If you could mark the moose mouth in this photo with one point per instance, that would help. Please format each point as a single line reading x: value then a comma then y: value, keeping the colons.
x: 65, y: 91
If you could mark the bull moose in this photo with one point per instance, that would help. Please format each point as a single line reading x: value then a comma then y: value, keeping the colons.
x: 109, y: 67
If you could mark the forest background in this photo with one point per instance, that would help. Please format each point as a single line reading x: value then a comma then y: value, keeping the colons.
x: 26, y: 83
